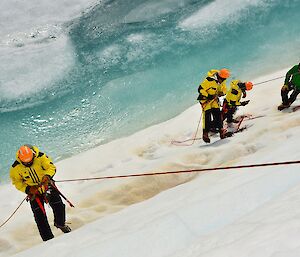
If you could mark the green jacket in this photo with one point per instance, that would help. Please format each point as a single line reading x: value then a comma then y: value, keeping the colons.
x: 293, y: 76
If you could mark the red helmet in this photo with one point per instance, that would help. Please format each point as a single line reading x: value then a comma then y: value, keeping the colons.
x: 25, y: 154
x: 249, y: 85
x: 224, y: 73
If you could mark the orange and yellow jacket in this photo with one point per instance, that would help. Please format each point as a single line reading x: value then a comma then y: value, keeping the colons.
x: 234, y: 94
x: 23, y: 177
x: 210, y: 90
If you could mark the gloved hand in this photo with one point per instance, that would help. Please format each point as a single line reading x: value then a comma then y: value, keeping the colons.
x: 36, y: 190
x: 32, y: 190
x: 210, y: 97
x: 245, y: 103
x: 46, y: 180
x: 42, y: 189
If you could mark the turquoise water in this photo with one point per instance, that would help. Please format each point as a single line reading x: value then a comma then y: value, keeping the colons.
x: 130, y: 64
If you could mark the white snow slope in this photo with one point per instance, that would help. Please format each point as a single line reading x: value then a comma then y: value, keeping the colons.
x: 226, y: 213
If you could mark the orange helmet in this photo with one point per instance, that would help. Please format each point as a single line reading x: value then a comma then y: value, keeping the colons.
x: 224, y: 73
x: 25, y: 154
x: 249, y: 85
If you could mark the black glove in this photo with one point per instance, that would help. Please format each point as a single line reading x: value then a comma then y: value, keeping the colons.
x: 32, y: 190
x: 245, y: 103
x: 242, y: 86
x: 210, y: 97
x: 36, y: 190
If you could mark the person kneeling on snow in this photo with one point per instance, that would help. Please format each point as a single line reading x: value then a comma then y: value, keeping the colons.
x: 291, y: 82
x: 233, y: 97
x: 32, y: 173
x: 212, y: 87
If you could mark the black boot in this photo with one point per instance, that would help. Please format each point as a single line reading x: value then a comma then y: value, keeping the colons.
x: 222, y: 133
x: 205, y: 137
x: 283, y: 106
x: 65, y: 228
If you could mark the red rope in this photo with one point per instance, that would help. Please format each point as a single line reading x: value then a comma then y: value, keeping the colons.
x: 173, y: 172
x: 240, y: 122
x: 13, y: 213
x: 183, y: 171
x: 270, y: 80
x: 193, y: 139
x: 164, y: 173
x: 61, y: 194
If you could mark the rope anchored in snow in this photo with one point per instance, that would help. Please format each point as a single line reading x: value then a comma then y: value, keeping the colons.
x: 194, y: 138
x: 269, y: 80
x: 13, y: 213
x: 182, y: 171
x: 170, y: 172
x: 42, y: 208
x: 164, y: 173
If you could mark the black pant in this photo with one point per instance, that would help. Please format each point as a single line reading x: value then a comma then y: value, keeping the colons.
x: 228, y: 111
x: 286, y: 100
x: 38, y: 209
x: 212, y: 119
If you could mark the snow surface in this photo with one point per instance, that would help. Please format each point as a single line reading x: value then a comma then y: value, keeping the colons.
x: 246, y: 212
x: 220, y: 12
x: 34, y: 44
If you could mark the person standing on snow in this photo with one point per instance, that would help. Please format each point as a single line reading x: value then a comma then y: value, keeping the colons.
x: 32, y: 173
x: 233, y: 97
x: 212, y: 87
x: 291, y: 82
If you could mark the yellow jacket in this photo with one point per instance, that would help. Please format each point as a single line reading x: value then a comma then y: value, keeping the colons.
x: 210, y: 90
x: 22, y: 176
x: 234, y: 94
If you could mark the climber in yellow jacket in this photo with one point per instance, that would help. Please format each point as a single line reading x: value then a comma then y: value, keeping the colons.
x: 212, y: 87
x: 32, y: 173
x: 233, y: 96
